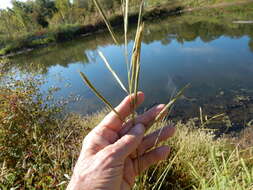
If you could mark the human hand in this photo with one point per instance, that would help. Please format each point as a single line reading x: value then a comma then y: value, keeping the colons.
x: 108, y: 161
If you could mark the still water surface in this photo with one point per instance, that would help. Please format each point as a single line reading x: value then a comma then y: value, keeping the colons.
x: 215, y: 58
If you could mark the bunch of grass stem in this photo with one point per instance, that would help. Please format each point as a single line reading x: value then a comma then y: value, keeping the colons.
x: 133, y: 68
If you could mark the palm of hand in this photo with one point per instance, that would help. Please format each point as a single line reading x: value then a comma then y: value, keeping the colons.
x: 108, y: 160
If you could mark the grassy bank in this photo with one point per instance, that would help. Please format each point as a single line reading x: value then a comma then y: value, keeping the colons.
x: 62, y: 31
x: 39, y: 146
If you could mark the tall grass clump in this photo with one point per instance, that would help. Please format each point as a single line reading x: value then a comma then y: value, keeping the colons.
x: 198, y: 161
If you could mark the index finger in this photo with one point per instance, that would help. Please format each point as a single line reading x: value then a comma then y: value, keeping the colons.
x: 112, y: 121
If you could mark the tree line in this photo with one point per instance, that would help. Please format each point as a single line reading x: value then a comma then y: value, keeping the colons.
x: 36, y: 15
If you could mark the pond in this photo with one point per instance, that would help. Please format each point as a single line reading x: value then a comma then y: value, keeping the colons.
x: 214, y: 55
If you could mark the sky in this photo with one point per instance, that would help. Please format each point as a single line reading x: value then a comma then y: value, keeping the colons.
x: 6, y: 3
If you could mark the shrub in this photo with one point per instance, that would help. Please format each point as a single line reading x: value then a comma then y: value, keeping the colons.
x: 26, y: 123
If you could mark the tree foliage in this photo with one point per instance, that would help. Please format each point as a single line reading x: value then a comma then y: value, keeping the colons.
x: 32, y: 16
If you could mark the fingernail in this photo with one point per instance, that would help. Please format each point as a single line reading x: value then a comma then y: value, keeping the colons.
x: 139, y: 129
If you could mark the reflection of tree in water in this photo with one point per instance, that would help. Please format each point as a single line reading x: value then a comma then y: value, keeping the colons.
x: 62, y: 54
x: 182, y: 28
x: 206, y: 31
x: 251, y: 44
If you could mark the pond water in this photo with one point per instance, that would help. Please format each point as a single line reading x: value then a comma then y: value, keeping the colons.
x: 215, y: 57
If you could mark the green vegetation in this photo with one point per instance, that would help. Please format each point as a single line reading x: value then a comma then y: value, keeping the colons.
x: 39, y: 145
x: 41, y: 22
x: 206, y: 25
x: 39, y: 148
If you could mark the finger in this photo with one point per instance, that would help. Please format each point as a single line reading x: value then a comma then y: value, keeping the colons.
x: 124, y: 109
x: 129, y: 172
x: 128, y: 143
x: 146, y: 119
x: 98, y: 139
x: 150, y: 158
x: 155, y: 138
x: 125, y: 186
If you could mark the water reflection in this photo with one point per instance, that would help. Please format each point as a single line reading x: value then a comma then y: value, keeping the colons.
x: 215, y: 57
x: 179, y: 28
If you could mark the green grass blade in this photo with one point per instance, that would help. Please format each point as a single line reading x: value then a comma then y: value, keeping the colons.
x: 106, y: 21
x: 112, y: 71
x: 208, y: 121
x: 162, y: 177
x: 179, y: 94
x: 194, y: 171
x: 86, y: 80
x: 248, y: 175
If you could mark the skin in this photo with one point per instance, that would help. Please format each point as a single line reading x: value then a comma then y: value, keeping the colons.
x: 108, y: 158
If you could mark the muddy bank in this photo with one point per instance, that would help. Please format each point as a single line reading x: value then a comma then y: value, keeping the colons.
x: 237, y: 109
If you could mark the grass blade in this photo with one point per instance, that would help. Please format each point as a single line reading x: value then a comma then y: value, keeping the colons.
x: 86, y: 80
x: 137, y: 78
x: 139, y: 23
x: 134, y: 72
x: 126, y: 26
x: 179, y: 94
x: 106, y: 21
x: 126, y: 17
x: 136, y: 57
x: 112, y: 71
x: 165, y: 171
x: 125, y: 14
x: 140, y: 13
x: 201, y: 116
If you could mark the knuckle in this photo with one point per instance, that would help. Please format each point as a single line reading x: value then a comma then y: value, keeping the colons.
x: 108, y: 161
x: 110, y: 155
x: 127, y: 139
x: 112, y: 152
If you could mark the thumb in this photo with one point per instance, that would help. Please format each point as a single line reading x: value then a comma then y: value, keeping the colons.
x: 128, y: 143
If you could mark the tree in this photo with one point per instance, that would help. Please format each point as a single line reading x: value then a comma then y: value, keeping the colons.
x: 22, y: 11
x: 80, y: 3
x: 44, y: 10
x: 63, y: 7
x: 5, y: 23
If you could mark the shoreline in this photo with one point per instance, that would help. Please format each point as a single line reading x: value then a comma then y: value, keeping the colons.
x: 90, y: 29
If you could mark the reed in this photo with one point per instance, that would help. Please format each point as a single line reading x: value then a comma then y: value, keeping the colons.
x: 98, y: 94
x: 134, y: 67
x: 98, y: 6
x: 112, y: 71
